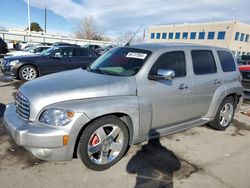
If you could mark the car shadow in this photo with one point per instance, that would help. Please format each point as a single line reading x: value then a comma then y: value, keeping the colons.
x: 154, y: 165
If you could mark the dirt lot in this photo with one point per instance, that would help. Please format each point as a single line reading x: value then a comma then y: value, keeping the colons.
x: 199, y: 157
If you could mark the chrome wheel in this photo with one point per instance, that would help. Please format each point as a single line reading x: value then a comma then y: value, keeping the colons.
x: 105, y: 144
x: 29, y: 73
x: 226, y: 114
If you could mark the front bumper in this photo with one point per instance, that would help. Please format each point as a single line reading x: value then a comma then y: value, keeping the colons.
x: 43, y: 142
x: 7, y: 70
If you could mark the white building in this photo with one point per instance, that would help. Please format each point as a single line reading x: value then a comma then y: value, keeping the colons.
x: 228, y: 34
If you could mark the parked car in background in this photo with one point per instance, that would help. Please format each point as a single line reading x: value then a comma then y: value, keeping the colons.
x: 245, y: 72
x: 92, y: 46
x: 29, y: 51
x: 244, y: 60
x: 20, y: 45
x: 3, y: 46
x: 102, y: 50
x: 128, y: 95
x: 63, y: 44
x: 9, y: 44
x: 54, y: 59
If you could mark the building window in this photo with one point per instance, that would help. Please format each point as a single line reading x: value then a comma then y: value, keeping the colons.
x: 242, y: 36
x: 221, y: 35
x: 201, y: 35
x: 193, y: 35
x: 210, y: 35
x: 247, y: 38
x: 237, y: 34
x: 177, y: 35
x: 185, y: 35
x: 164, y: 35
x: 152, y: 35
x: 158, y: 35
x: 170, y: 35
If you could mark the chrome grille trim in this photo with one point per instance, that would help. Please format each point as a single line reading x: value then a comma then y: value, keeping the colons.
x: 22, y: 106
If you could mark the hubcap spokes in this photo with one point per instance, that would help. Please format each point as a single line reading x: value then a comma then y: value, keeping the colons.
x: 226, y: 114
x: 28, y: 73
x: 107, y: 146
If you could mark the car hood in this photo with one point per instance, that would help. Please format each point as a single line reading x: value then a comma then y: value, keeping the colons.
x: 23, y: 58
x: 73, y: 85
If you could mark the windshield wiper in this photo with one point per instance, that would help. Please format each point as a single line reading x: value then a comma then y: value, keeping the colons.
x: 98, y: 70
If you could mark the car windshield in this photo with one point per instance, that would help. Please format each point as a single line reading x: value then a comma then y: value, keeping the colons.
x: 122, y: 61
x: 48, y: 51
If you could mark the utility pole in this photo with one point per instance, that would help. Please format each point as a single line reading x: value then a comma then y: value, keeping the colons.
x: 28, y: 3
x: 45, y: 19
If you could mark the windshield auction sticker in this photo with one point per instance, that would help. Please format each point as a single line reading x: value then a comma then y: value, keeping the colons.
x: 136, y: 55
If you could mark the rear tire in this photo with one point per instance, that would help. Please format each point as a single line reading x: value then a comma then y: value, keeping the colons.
x: 103, y: 143
x: 27, y: 72
x: 224, y: 115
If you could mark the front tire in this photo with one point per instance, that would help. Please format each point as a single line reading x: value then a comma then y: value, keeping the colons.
x: 27, y: 72
x: 103, y: 143
x: 224, y: 114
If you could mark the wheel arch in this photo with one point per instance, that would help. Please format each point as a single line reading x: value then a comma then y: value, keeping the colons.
x: 122, y: 116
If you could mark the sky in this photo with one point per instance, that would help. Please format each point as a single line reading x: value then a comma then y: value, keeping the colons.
x: 114, y: 17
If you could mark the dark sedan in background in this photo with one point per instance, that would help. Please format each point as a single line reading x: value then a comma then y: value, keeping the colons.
x: 54, y: 59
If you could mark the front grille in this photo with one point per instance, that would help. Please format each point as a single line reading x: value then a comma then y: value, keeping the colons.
x: 22, y: 106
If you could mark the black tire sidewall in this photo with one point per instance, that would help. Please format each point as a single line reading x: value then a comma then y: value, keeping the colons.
x: 23, y: 67
x: 83, y: 143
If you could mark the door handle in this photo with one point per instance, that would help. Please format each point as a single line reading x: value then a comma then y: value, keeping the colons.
x: 183, y: 87
x: 216, y: 82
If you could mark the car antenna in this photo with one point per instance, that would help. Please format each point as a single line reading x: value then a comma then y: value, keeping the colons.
x: 128, y: 43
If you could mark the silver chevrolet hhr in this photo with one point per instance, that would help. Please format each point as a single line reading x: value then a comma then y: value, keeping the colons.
x: 128, y: 95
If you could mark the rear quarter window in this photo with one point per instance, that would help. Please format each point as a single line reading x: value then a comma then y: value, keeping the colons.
x: 203, y: 62
x: 226, y: 61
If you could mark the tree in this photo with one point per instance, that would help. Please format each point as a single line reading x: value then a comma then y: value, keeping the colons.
x: 34, y: 27
x: 88, y: 30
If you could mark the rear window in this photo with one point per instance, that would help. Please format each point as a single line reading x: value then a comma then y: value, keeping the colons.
x: 226, y: 61
x: 203, y: 62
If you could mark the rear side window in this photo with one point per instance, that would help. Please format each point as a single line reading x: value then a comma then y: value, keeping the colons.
x: 203, y: 62
x: 171, y: 61
x: 226, y: 61
x: 81, y: 52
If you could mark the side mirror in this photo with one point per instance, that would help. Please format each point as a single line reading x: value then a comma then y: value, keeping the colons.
x: 163, y: 74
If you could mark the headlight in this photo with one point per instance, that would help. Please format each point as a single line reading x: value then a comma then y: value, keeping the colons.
x: 56, y: 117
x: 12, y: 63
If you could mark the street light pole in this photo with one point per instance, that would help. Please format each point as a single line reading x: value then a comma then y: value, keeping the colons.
x: 28, y: 3
x: 45, y: 19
